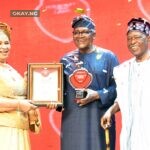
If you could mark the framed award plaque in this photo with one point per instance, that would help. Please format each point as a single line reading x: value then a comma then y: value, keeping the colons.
x: 45, y: 83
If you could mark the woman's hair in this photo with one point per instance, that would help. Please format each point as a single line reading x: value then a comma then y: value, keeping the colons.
x: 5, y: 28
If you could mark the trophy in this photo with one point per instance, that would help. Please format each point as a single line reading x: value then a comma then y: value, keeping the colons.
x: 79, y: 80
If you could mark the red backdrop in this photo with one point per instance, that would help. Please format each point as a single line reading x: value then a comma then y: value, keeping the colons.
x: 47, y: 38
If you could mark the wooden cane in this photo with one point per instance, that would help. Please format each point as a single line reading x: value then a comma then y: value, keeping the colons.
x: 107, y: 139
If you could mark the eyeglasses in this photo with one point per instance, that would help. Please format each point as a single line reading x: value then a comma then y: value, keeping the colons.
x: 82, y: 33
x: 136, y: 38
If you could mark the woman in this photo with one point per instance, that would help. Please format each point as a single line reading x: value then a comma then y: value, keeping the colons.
x: 16, y: 113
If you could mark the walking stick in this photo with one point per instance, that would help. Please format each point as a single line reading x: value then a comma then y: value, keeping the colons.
x: 107, y: 139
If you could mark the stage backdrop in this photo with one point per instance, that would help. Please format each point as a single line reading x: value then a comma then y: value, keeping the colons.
x: 48, y: 37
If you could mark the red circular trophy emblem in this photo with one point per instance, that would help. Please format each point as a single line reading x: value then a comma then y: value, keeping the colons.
x: 79, y: 80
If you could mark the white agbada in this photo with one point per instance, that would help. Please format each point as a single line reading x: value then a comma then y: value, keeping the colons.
x: 133, y: 97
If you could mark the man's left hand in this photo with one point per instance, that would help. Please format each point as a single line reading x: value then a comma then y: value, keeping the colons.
x: 91, y: 96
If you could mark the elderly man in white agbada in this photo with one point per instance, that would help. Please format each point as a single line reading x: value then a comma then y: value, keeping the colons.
x: 133, y: 92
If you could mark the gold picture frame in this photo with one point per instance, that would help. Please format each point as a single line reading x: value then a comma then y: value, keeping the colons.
x: 45, y: 83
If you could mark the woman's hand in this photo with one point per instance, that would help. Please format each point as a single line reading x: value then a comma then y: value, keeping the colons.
x: 25, y: 106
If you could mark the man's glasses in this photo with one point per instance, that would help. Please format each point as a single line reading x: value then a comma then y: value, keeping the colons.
x: 136, y: 38
x: 82, y: 33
